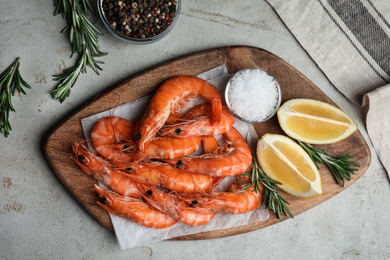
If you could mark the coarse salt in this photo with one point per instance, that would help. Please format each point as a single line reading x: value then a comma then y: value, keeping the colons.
x: 253, y: 95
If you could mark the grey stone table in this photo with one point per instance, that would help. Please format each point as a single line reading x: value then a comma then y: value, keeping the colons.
x: 40, y: 220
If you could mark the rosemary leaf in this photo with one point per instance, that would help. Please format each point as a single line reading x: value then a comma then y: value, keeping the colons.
x: 67, y: 79
x: 342, y: 167
x: 271, y: 197
x: 10, y: 82
x: 83, y: 35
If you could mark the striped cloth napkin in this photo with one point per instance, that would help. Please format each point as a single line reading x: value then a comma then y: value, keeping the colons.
x: 350, y: 41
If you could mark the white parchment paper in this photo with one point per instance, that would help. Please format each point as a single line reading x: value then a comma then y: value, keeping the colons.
x: 130, y: 234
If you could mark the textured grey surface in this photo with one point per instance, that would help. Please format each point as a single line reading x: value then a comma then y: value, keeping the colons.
x: 40, y: 220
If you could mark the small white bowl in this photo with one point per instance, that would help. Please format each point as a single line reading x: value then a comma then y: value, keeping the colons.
x: 253, y: 95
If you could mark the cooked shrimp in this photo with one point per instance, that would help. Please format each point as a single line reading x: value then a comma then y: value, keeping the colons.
x: 110, y: 135
x: 197, y: 123
x: 133, y: 209
x: 169, y: 147
x: 235, y: 160
x: 167, y: 176
x: 176, y: 208
x: 174, y: 94
x: 103, y: 171
x: 112, y: 138
x: 236, y: 201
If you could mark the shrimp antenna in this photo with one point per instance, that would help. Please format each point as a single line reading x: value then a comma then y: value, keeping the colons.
x: 109, y: 99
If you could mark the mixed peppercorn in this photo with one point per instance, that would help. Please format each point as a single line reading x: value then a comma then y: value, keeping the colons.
x: 140, y: 18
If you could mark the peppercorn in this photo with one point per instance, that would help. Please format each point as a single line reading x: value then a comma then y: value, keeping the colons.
x: 135, y: 28
x: 139, y: 18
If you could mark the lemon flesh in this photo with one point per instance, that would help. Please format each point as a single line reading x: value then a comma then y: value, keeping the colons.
x: 285, y: 161
x: 315, y: 122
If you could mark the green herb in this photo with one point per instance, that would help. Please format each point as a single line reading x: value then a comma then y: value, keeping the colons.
x: 271, y: 197
x: 83, y: 35
x: 341, y: 167
x: 10, y: 82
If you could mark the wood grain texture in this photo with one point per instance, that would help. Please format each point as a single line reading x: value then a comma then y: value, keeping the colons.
x: 57, y: 145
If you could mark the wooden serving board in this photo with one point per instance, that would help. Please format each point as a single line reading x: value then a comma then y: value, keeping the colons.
x: 58, y: 142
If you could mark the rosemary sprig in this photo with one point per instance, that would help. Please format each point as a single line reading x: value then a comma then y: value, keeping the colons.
x: 271, y: 197
x: 341, y: 167
x: 68, y: 78
x: 83, y: 35
x: 10, y: 82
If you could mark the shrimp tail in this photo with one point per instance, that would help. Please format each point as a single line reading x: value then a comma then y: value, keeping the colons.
x: 209, y: 144
x: 216, y: 113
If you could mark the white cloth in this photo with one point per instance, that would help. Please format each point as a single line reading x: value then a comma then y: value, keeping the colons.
x: 350, y: 42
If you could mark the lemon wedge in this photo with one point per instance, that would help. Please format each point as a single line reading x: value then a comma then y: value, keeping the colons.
x: 283, y: 160
x: 315, y: 122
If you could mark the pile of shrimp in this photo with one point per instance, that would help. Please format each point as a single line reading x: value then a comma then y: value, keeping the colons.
x: 148, y: 164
